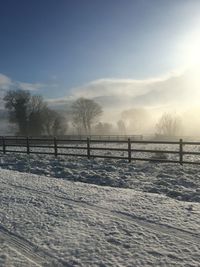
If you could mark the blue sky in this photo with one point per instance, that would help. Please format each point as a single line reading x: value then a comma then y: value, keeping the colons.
x: 57, y: 45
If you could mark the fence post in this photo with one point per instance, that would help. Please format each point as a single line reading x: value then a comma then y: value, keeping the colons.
x: 27, y: 145
x: 181, y: 151
x: 55, y: 147
x: 129, y: 150
x: 88, y: 147
x: 4, y: 145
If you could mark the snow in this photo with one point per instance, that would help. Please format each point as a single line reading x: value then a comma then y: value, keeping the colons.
x: 9, y: 257
x: 173, y: 180
x: 63, y: 222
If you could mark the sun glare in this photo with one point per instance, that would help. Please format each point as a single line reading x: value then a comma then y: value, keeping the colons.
x: 188, y: 57
x: 190, y: 50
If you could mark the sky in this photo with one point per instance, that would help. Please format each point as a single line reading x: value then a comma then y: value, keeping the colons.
x: 127, y: 51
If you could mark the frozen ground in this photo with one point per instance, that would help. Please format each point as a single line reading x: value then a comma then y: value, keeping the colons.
x: 173, y: 180
x: 54, y: 222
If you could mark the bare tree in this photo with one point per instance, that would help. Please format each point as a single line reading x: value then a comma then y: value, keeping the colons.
x: 17, y: 102
x: 31, y: 115
x: 168, y: 125
x: 84, y: 113
x: 36, y: 113
x: 121, y: 127
x: 54, y: 123
x: 136, y: 120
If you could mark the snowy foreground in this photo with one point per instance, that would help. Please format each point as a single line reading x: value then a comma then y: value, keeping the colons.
x: 173, y: 180
x: 54, y: 222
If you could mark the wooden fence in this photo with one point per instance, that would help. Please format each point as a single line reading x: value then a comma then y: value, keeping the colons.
x: 128, y: 148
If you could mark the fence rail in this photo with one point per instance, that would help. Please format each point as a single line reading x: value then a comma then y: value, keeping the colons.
x: 63, y: 147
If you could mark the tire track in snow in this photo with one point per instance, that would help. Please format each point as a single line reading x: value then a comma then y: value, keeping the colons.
x: 29, y: 250
x: 123, y: 216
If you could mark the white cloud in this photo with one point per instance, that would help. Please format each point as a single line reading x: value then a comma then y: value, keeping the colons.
x: 117, y: 92
x: 121, y: 87
x: 5, y: 82
x: 175, y: 89
x: 111, y: 87
x: 30, y: 86
x: 174, y: 92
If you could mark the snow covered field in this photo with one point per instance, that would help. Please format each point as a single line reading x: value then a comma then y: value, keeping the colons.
x: 173, y: 180
x: 53, y: 222
x: 137, y: 214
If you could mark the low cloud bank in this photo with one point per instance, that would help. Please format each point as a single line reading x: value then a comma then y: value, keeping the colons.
x: 176, y: 93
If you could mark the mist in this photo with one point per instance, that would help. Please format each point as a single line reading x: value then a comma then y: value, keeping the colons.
x: 141, y: 103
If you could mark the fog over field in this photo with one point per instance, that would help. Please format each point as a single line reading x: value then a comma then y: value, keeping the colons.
x: 139, y: 103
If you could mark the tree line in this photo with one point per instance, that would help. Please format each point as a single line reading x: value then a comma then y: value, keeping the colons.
x: 31, y: 116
